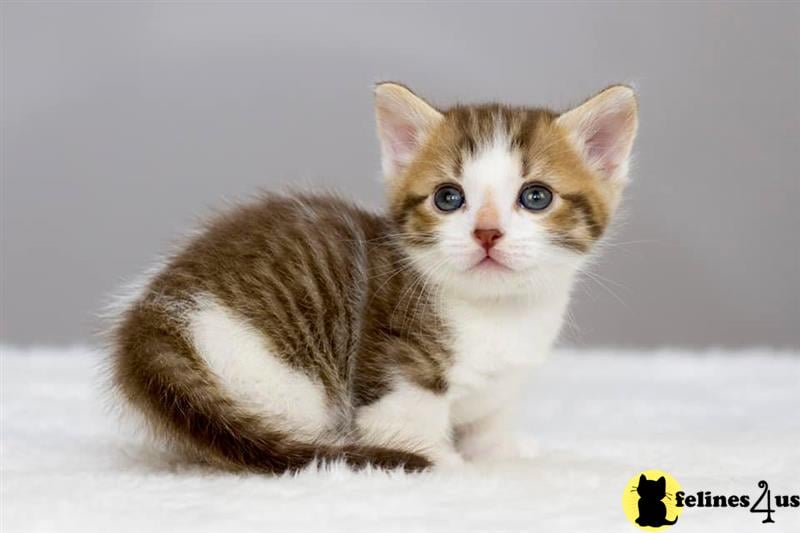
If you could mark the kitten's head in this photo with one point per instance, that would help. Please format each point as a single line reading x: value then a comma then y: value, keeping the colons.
x: 652, y: 489
x: 490, y: 199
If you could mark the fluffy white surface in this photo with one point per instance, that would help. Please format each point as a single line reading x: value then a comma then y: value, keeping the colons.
x: 715, y: 421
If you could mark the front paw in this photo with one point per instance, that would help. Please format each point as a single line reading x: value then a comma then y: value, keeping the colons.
x: 507, y: 447
x: 447, y: 460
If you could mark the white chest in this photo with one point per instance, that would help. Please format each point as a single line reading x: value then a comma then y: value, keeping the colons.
x: 495, y: 346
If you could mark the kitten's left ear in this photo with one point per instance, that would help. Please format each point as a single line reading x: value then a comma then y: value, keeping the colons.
x: 404, y: 119
x: 603, y: 129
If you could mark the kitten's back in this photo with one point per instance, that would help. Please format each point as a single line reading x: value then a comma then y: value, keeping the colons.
x: 249, y: 333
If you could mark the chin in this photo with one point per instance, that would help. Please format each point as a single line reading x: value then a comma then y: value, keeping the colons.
x: 488, y: 281
x: 530, y: 284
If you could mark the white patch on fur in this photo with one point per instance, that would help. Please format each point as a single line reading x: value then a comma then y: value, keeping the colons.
x: 495, y: 344
x: 410, y: 417
x: 254, y: 377
x: 490, y: 180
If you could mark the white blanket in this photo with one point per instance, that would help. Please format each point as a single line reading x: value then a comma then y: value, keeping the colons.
x: 715, y: 421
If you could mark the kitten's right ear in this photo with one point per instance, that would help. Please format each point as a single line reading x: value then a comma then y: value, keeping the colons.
x: 404, y: 119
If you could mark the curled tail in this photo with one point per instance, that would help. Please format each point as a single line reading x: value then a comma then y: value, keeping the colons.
x: 159, y: 374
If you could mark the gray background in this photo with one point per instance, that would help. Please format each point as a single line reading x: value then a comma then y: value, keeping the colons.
x: 124, y: 122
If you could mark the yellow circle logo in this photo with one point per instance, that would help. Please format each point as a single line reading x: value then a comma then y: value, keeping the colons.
x: 649, y: 500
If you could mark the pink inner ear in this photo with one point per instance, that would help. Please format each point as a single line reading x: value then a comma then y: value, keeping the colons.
x: 403, y: 140
x: 606, y: 146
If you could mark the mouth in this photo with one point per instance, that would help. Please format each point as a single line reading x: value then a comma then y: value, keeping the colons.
x: 489, y: 264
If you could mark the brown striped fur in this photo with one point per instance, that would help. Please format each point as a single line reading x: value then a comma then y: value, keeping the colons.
x: 316, y: 275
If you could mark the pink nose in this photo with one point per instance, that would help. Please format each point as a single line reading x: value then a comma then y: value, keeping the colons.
x: 488, y: 237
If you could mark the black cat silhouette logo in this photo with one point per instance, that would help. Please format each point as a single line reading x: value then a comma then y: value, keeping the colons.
x: 652, y: 511
x: 649, y: 500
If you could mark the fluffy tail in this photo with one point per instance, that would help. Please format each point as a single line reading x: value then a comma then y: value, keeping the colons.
x: 158, y: 373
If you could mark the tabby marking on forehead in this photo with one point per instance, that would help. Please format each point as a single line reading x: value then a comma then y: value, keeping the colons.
x: 479, y: 126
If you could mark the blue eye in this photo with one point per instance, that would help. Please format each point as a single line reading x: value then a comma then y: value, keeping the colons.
x: 535, y: 197
x: 448, y: 198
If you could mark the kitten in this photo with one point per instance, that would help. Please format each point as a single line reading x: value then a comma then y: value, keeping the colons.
x: 302, y: 328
